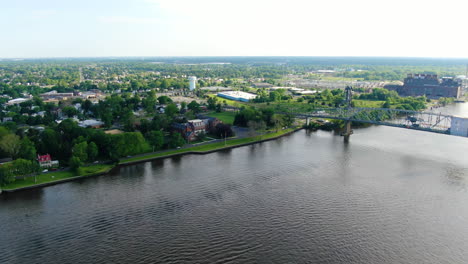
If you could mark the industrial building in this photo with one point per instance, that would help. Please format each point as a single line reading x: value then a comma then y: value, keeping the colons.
x: 429, y: 85
x: 237, y: 96
x: 459, y: 126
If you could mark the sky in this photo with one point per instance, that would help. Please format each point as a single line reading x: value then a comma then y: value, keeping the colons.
x: 102, y: 28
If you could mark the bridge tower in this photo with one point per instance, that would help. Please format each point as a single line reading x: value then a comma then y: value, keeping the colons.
x: 348, y: 99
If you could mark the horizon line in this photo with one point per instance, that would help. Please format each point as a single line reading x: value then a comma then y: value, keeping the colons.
x: 229, y: 56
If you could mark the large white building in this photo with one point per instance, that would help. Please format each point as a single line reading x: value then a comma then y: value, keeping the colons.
x: 237, y: 95
x: 192, y: 82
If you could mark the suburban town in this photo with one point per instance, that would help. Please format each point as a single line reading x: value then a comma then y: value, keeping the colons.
x: 179, y: 131
x: 85, y: 127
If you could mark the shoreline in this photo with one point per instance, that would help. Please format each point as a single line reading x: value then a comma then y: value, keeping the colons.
x: 151, y: 157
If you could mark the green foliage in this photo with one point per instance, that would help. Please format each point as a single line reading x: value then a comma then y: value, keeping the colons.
x: 129, y: 143
x: 11, y: 144
x: 164, y: 100
x: 266, y: 115
x: 69, y: 111
x: 170, y: 110
x: 176, y: 140
x: 27, y: 149
x: 155, y: 139
x: 75, y: 163
x: 80, y: 151
x: 194, y: 106
x: 17, y: 168
x: 445, y: 101
x: 93, y: 151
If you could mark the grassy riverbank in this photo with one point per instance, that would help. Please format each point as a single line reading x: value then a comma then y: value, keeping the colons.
x: 57, y: 176
x: 210, y: 147
x: 50, y: 178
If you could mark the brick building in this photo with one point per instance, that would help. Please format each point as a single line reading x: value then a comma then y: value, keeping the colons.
x: 192, y: 128
x: 429, y: 85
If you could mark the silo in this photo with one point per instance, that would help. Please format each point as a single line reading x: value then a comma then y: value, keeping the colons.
x: 192, y: 82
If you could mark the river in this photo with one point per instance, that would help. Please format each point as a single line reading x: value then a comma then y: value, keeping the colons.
x: 391, y: 195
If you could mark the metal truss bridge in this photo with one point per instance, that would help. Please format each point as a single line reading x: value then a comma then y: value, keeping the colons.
x: 425, y: 121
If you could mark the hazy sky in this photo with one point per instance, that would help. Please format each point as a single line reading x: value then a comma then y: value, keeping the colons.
x: 96, y: 28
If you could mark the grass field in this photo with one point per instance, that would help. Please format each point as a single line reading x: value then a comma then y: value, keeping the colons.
x: 368, y: 103
x: 55, y: 176
x: 226, y: 117
x: 228, y: 102
x: 209, y: 147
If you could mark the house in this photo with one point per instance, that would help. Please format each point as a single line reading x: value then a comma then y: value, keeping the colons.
x: 6, y: 119
x: 192, y: 128
x: 91, y: 123
x: 45, y: 161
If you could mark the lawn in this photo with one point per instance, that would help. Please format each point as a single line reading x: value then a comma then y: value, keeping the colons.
x: 229, y: 102
x: 368, y: 103
x: 225, y: 117
x: 209, y: 147
x: 55, y: 176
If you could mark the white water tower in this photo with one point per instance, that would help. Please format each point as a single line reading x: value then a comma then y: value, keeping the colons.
x: 192, y: 82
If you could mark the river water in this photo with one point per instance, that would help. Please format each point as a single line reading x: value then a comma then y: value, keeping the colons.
x: 391, y: 195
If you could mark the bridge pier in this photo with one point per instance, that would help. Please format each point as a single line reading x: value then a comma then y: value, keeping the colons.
x: 307, y: 121
x: 347, y: 131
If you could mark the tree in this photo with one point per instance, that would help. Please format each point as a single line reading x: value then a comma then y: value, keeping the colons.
x: 276, y: 120
x: 176, y: 140
x: 218, y: 107
x: 155, y: 139
x: 183, y: 105
x: 129, y: 143
x: 171, y: 110
x: 149, y: 104
x: 27, y: 149
x: 164, y: 100
x: 75, y: 163
x: 212, y: 103
x: 222, y: 130
x: 255, y: 127
x: 70, y: 111
x: 3, y: 131
x: 50, y: 142
x: 80, y: 151
x: 194, y: 106
x: 11, y: 144
x: 92, y: 151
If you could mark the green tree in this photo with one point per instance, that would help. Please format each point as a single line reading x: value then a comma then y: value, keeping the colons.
x: 129, y: 143
x: 80, y: 151
x: 27, y: 149
x: 176, y: 140
x: 194, y: 106
x: 92, y: 151
x: 75, y: 163
x: 155, y: 139
x: 171, y: 110
x: 70, y: 111
x: 164, y: 100
x: 11, y: 144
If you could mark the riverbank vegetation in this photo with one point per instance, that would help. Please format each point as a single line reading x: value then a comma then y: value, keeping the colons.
x: 211, y: 146
x: 56, y: 176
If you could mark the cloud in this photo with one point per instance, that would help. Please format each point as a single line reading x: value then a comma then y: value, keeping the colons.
x: 129, y: 20
x: 43, y: 13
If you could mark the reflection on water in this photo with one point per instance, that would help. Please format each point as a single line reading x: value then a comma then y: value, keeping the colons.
x: 389, y: 196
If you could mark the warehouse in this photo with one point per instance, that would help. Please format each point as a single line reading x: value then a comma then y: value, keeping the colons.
x: 237, y: 96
